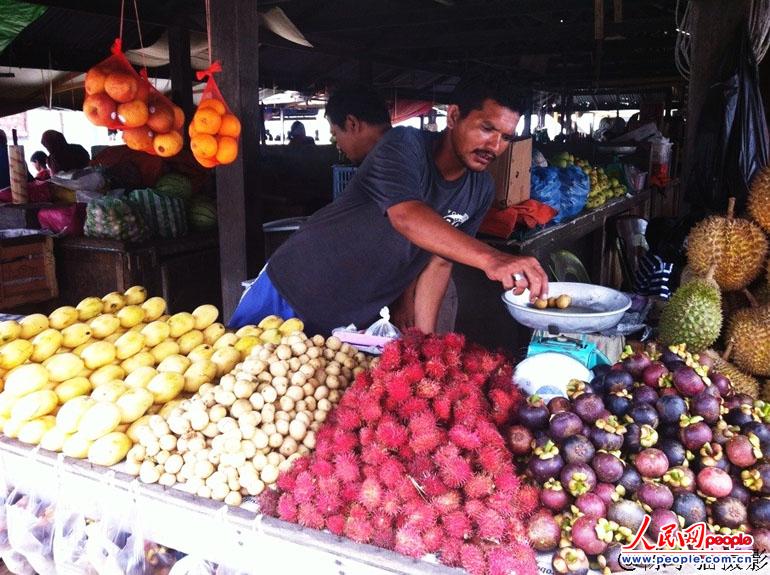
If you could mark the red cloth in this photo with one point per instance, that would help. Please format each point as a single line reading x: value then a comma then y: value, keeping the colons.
x: 37, y: 192
x: 501, y: 223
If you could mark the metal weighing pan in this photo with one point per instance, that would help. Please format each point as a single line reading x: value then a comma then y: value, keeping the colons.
x: 593, y: 308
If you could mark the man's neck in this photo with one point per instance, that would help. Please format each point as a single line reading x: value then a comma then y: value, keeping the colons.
x: 448, y: 164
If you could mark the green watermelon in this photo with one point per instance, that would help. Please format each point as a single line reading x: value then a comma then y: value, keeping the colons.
x: 174, y: 185
x: 202, y: 215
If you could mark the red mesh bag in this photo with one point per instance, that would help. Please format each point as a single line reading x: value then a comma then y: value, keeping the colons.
x: 119, y: 98
x: 214, y: 130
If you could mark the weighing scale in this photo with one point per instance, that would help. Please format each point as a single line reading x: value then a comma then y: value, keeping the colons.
x: 559, y: 350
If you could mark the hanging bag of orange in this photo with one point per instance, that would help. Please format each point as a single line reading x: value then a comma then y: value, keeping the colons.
x: 214, y: 130
x: 119, y: 98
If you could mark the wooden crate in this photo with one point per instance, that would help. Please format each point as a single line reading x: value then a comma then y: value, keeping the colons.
x: 27, y: 271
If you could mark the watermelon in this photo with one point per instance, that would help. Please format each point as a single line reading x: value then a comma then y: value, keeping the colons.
x: 175, y: 186
x: 202, y: 215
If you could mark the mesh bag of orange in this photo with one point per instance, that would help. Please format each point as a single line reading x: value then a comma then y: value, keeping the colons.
x: 214, y: 130
x: 119, y: 98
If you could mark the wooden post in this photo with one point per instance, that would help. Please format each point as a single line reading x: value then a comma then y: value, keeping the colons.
x: 234, y: 30
x: 181, y: 71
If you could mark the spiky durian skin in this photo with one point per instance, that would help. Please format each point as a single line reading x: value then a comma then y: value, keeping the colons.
x: 764, y: 391
x: 759, y: 199
x: 741, y: 382
x: 692, y: 316
x: 736, y: 247
x: 749, y: 332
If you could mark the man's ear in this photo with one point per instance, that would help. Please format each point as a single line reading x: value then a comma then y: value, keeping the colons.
x: 452, y: 115
x: 352, y: 123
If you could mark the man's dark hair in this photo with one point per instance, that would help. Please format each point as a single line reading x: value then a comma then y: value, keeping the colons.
x: 470, y: 94
x: 359, y: 101
x: 40, y: 157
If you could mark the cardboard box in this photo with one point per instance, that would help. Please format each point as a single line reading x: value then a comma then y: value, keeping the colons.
x: 510, y: 172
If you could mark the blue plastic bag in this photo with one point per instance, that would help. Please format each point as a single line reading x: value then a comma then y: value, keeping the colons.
x: 545, y: 188
x: 574, y: 189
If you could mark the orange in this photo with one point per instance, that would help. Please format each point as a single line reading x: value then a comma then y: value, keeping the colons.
x: 231, y: 126
x: 227, y: 149
x: 121, y: 87
x: 99, y: 109
x: 167, y: 145
x: 213, y: 103
x: 178, y: 117
x: 138, y: 139
x: 143, y: 90
x: 206, y: 162
x: 133, y: 114
x: 161, y: 117
x: 95, y: 80
x: 191, y: 130
x: 204, y: 145
x: 207, y: 121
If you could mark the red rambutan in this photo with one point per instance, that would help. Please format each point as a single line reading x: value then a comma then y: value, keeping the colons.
x: 328, y: 503
x: 503, y: 503
x: 491, y: 525
x: 432, y: 347
x: 464, y: 437
x: 346, y: 467
x: 350, y: 491
x: 478, y: 486
x: 358, y: 511
x: 347, y: 418
x: 371, y: 494
x: 345, y: 440
x: 406, y: 453
x: 304, y: 488
x: 454, y: 341
x: 446, y: 503
x: 321, y: 468
x: 423, y: 442
x: 328, y: 484
x: 370, y: 472
x: 433, y: 538
x: 503, y: 406
x: 391, y: 503
x: 309, y: 516
x: 336, y: 524
x: 422, y: 421
x: 409, y: 542
x: 471, y: 362
x: 454, y: 471
x: 374, y: 454
x: 527, y: 499
x: 391, y: 433
x: 428, y: 388
x: 516, y: 531
x: 287, y: 508
x: 366, y: 436
x: 492, y: 459
x: 391, y: 472
x: 358, y: 529
x: 420, y: 466
x: 369, y: 411
x: 384, y: 538
x: 435, y: 369
x: 449, y: 554
x: 398, y: 386
x: 507, y: 482
x: 418, y: 514
x: 406, y: 490
x: 286, y: 480
x: 410, y: 356
x: 474, y: 508
x: 412, y: 406
x: 472, y: 559
x: 490, y: 362
x: 413, y: 373
x: 442, y: 407
x: 268, y: 502
x: 390, y: 360
x: 457, y: 524
x: 514, y: 558
x: 382, y: 521
x: 433, y: 486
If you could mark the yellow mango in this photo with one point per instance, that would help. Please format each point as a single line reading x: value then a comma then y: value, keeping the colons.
x: 180, y: 323
x: 98, y: 354
x: 270, y: 322
x: 249, y: 330
x: 174, y: 362
x: 141, y: 359
x: 32, y: 325
x: 99, y: 420
x: 34, y: 405
x: 69, y: 415
x: 33, y: 431
x: 190, y: 341
x: 227, y: 340
x: 10, y: 329
x: 15, y: 353
x: 62, y: 317
x: 130, y: 316
x: 140, y: 377
x: 74, y: 387
x: 89, y: 308
x: 113, y: 302
x: 106, y: 374
x: 154, y: 308
x: 205, y: 315
x: 109, y: 391
x: 213, y: 332
x: 77, y: 446
x: 155, y: 332
x: 26, y: 379
x: 135, y: 295
x: 75, y: 335
x: 201, y: 352
x: 110, y: 449
x: 104, y: 325
x: 134, y: 403
x: 226, y: 358
x: 53, y: 439
x: 166, y: 386
x: 133, y: 429
x: 164, y: 349
x: 199, y: 373
x: 128, y: 344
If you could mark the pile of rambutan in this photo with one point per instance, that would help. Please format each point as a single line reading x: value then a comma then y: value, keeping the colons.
x: 412, y: 460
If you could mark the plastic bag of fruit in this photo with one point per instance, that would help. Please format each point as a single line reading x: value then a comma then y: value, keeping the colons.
x: 192, y: 565
x: 69, y: 540
x: 214, y: 130
x: 115, y: 219
x: 30, y: 532
x: 119, y: 98
x: 115, y: 545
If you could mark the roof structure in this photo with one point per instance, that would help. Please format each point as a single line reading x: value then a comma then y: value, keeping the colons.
x: 414, y: 48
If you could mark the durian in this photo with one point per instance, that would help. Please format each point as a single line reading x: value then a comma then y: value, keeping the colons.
x: 748, y: 336
x: 693, y: 315
x: 759, y: 199
x: 741, y: 382
x: 737, y: 248
x: 764, y: 391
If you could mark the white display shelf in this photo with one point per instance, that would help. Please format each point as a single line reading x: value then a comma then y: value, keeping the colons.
x: 236, y: 537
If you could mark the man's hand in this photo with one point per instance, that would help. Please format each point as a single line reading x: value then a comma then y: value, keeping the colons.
x: 517, y: 273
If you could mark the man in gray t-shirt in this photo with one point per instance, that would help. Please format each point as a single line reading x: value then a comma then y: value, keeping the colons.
x: 413, y: 206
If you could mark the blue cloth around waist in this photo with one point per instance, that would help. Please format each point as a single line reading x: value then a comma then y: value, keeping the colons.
x: 260, y: 300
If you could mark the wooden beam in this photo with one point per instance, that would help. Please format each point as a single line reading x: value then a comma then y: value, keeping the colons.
x: 181, y: 70
x: 617, y: 11
x: 234, y: 30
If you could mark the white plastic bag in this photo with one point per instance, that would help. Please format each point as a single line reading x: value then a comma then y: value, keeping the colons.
x: 382, y: 327
x: 69, y: 541
x: 113, y: 549
x: 191, y: 565
x: 30, y: 530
